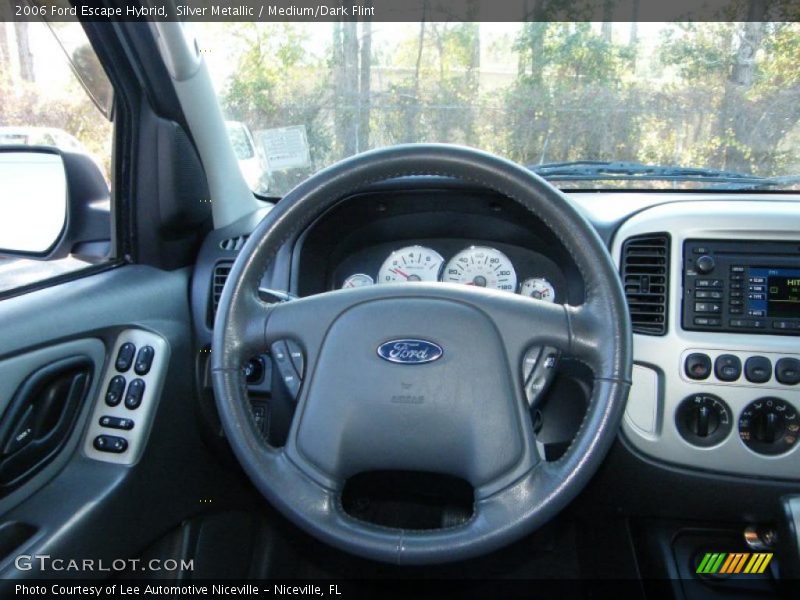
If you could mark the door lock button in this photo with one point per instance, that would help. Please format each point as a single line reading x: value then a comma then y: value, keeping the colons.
x: 116, y: 423
x: 22, y: 433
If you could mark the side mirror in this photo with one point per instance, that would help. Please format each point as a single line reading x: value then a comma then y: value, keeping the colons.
x: 53, y: 204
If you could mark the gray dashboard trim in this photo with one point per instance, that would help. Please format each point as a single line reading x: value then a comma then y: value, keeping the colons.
x: 735, y: 219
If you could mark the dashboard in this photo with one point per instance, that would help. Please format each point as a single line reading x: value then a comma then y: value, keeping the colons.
x: 465, y: 237
x: 480, y: 263
x: 712, y: 281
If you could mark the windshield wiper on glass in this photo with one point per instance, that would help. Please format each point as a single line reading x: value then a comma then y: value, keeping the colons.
x: 591, y: 170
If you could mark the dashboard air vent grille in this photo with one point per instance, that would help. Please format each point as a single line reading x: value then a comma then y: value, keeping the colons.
x: 234, y: 243
x: 645, y: 277
x: 221, y: 271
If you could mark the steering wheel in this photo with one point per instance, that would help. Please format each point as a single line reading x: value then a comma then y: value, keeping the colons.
x: 449, y: 399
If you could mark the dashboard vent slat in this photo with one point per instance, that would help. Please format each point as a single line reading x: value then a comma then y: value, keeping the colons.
x: 218, y: 279
x: 234, y: 244
x: 645, y: 277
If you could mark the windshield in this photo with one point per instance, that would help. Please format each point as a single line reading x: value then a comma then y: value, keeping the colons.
x: 588, y: 105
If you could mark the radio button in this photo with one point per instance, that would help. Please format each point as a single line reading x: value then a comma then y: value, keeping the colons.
x: 787, y: 371
x: 706, y: 321
x: 784, y: 325
x: 708, y: 283
x: 707, y: 307
x: 758, y: 369
x: 737, y: 269
x: 727, y: 367
x: 697, y: 366
x: 708, y: 295
x: 738, y: 323
x: 758, y: 324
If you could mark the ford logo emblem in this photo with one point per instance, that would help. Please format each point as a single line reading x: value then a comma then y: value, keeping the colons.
x: 410, y: 352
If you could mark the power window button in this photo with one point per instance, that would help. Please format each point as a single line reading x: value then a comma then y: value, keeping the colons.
x: 144, y: 360
x: 134, y: 396
x: 116, y: 387
x: 125, y: 357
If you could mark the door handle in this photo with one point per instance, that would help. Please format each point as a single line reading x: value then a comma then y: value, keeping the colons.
x: 40, y: 418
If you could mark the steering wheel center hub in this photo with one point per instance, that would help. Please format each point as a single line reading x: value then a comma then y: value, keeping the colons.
x: 458, y: 415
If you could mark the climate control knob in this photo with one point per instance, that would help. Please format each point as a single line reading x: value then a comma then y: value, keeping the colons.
x: 703, y: 420
x: 769, y: 426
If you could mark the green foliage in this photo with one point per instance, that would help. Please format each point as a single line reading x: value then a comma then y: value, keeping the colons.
x: 276, y: 84
x: 579, y: 93
x: 701, y: 53
x: 24, y: 105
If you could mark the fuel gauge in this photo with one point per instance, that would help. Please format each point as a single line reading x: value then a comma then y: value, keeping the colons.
x: 538, y: 288
x: 357, y: 280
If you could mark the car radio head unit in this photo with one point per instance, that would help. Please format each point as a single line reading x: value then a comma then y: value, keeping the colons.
x: 741, y: 286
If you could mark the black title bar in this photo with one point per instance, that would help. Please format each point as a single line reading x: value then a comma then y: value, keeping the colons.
x: 401, y: 10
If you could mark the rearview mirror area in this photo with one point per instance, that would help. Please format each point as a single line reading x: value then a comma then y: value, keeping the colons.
x: 33, y: 201
x: 53, y: 204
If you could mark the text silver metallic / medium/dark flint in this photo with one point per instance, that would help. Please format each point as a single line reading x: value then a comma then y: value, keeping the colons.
x: 410, y: 351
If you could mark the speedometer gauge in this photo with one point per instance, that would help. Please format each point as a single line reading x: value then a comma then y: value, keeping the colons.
x: 412, y: 263
x: 538, y: 288
x: 482, y: 266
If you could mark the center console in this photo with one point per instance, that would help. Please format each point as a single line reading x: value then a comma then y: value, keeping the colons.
x: 719, y: 389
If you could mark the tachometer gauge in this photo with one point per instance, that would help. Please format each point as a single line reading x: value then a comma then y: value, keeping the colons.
x: 412, y: 263
x: 481, y: 266
x: 538, y: 288
x: 357, y: 280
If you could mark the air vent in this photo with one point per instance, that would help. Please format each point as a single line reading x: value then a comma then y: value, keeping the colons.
x: 221, y: 271
x: 645, y: 277
x: 234, y: 243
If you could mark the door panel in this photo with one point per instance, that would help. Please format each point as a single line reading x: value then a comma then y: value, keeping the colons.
x: 16, y: 372
x: 80, y: 507
x: 40, y: 418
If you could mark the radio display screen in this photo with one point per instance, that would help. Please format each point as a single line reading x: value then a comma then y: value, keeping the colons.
x: 783, y: 293
x: 774, y: 293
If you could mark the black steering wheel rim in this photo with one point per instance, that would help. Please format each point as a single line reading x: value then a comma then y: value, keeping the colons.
x: 329, y: 441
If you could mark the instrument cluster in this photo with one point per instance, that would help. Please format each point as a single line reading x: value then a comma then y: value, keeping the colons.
x: 481, y: 266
